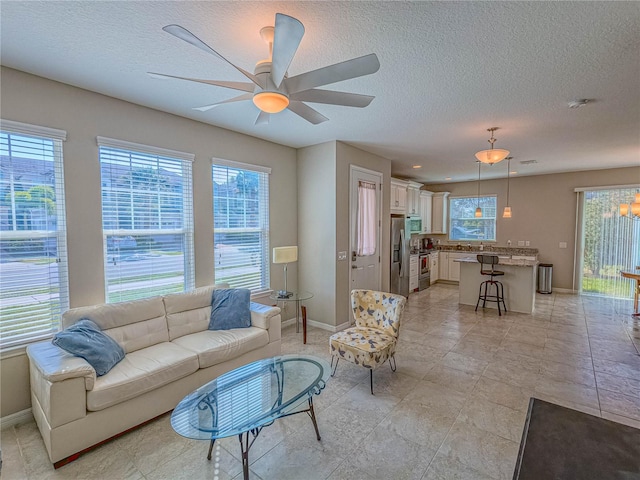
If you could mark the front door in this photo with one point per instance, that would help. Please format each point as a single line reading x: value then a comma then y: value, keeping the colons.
x: 365, y: 229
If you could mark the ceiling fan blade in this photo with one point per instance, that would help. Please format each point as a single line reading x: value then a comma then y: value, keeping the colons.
x: 184, y: 34
x: 331, y: 97
x: 356, y: 67
x: 306, y: 112
x: 244, y: 86
x: 287, y: 35
x: 239, y: 98
x: 263, y: 118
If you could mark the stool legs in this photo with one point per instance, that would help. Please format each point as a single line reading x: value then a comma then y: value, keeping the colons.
x: 487, y: 297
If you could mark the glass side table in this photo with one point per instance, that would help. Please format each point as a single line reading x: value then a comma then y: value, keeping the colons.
x: 297, y: 297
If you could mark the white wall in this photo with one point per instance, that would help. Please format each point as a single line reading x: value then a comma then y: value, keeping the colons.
x: 317, y: 229
x: 85, y: 115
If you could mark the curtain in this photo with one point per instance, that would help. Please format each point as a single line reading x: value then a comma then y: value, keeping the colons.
x: 366, y: 226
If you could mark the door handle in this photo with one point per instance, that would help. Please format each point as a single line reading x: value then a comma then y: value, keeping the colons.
x: 354, y: 266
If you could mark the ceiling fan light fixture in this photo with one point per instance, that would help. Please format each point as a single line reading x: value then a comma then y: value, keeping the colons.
x: 492, y: 155
x: 270, y: 102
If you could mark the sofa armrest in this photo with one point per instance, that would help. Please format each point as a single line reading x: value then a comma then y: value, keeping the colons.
x: 55, y: 365
x: 261, y: 315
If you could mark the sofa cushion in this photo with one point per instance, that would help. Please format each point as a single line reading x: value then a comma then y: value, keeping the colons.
x: 84, y: 339
x: 140, y: 372
x: 230, y: 309
x: 188, y: 312
x: 217, y: 346
x: 134, y: 325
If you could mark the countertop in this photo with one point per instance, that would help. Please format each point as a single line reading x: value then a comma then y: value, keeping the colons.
x: 502, y: 260
x: 490, y: 250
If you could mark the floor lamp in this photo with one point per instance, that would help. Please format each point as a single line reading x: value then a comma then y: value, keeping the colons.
x: 285, y: 255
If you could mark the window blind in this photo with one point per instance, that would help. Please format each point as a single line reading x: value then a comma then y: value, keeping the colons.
x: 241, y: 225
x: 147, y: 221
x: 33, y: 254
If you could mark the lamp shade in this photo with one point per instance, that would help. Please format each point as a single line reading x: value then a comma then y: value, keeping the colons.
x: 270, y: 102
x: 507, y: 212
x: 285, y: 254
x: 491, y: 156
x: 624, y: 209
x: 478, y: 212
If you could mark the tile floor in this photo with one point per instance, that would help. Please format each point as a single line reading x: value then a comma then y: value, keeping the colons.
x: 454, y: 409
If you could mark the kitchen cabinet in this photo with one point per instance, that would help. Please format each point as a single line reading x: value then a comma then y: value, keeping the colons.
x: 433, y: 267
x: 443, y: 265
x: 398, y: 196
x: 413, y: 198
x: 414, y: 272
x: 454, y: 267
x: 439, y: 212
x: 448, y: 268
x: 425, y: 210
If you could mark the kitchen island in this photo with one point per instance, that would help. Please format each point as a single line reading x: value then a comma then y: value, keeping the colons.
x: 519, y: 282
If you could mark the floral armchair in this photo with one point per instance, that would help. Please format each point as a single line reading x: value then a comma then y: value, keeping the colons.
x: 372, y: 341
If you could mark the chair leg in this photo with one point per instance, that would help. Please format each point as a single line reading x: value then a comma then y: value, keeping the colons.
x: 486, y: 292
x: 371, y: 379
x: 393, y: 365
x: 496, y: 284
x: 479, y: 296
x: 334, y: 367
x: 502, y: 296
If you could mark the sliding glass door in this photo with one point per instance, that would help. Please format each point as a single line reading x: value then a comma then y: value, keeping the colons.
x: 610, y: 242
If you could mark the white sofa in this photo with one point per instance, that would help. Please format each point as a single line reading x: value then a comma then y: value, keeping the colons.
x: 169, y: 353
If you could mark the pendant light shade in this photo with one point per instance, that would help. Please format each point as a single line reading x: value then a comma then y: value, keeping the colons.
x: 507, y: 210
x: 492, y: 155
x: 478, y: 209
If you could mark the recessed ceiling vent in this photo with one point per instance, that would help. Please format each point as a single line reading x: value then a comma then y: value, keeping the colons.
x: 528, y: 162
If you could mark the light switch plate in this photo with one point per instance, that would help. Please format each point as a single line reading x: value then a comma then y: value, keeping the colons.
x: 521, y: 243
x: 563, y: 244
x: 527, y: 243
x: 342, y: 256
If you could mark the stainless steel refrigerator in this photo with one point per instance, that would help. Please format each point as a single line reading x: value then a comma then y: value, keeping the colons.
x: 400, y: 250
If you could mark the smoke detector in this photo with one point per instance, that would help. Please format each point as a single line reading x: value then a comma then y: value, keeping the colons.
x: 578, y: 103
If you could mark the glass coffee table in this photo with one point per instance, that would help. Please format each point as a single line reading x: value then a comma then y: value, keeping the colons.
x: 245, y: 400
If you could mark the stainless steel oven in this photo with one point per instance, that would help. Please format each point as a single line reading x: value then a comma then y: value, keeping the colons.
x: 425, y: 272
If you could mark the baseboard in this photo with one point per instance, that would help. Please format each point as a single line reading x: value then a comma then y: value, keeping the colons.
x: 565, y: 290
x: 17, y: 418
x: 316, y: 324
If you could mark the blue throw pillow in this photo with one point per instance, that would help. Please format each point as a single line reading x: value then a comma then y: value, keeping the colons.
x: 85, y: 339
x: 230, y: 308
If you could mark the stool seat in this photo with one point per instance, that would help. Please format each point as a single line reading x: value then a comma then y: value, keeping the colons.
x: 490, y: 260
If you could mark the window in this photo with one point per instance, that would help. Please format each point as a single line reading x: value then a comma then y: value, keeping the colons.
x: 241, y: 225
x: 608, y: 242
x: 463, y: 223
x: 147, y: 220
x: 33, y: 255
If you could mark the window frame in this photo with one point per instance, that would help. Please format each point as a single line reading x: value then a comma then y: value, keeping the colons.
x: 474, y: 236
x: 166, y: 156
x: 263, y: 229
x: 61, y: 304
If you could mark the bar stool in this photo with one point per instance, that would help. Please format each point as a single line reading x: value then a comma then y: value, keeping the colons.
x: 490, y: 260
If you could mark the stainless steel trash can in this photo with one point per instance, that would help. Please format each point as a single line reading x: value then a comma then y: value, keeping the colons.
x: 545, y: 275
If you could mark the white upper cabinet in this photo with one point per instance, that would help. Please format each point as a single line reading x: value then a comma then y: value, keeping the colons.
x: 413, y: 198
x: 439, y: 210
x: 398, y: 196
x: 425, y: 210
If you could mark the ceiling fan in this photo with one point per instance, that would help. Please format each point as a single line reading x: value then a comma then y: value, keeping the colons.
x: 270, y: 89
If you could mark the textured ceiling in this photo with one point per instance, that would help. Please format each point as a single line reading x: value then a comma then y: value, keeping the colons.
x: 449, y: 71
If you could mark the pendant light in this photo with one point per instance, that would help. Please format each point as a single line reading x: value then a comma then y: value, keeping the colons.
x: 493, y: 155
x: 631, y: 209
x: 479, y: 210
x: 507, y: 210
